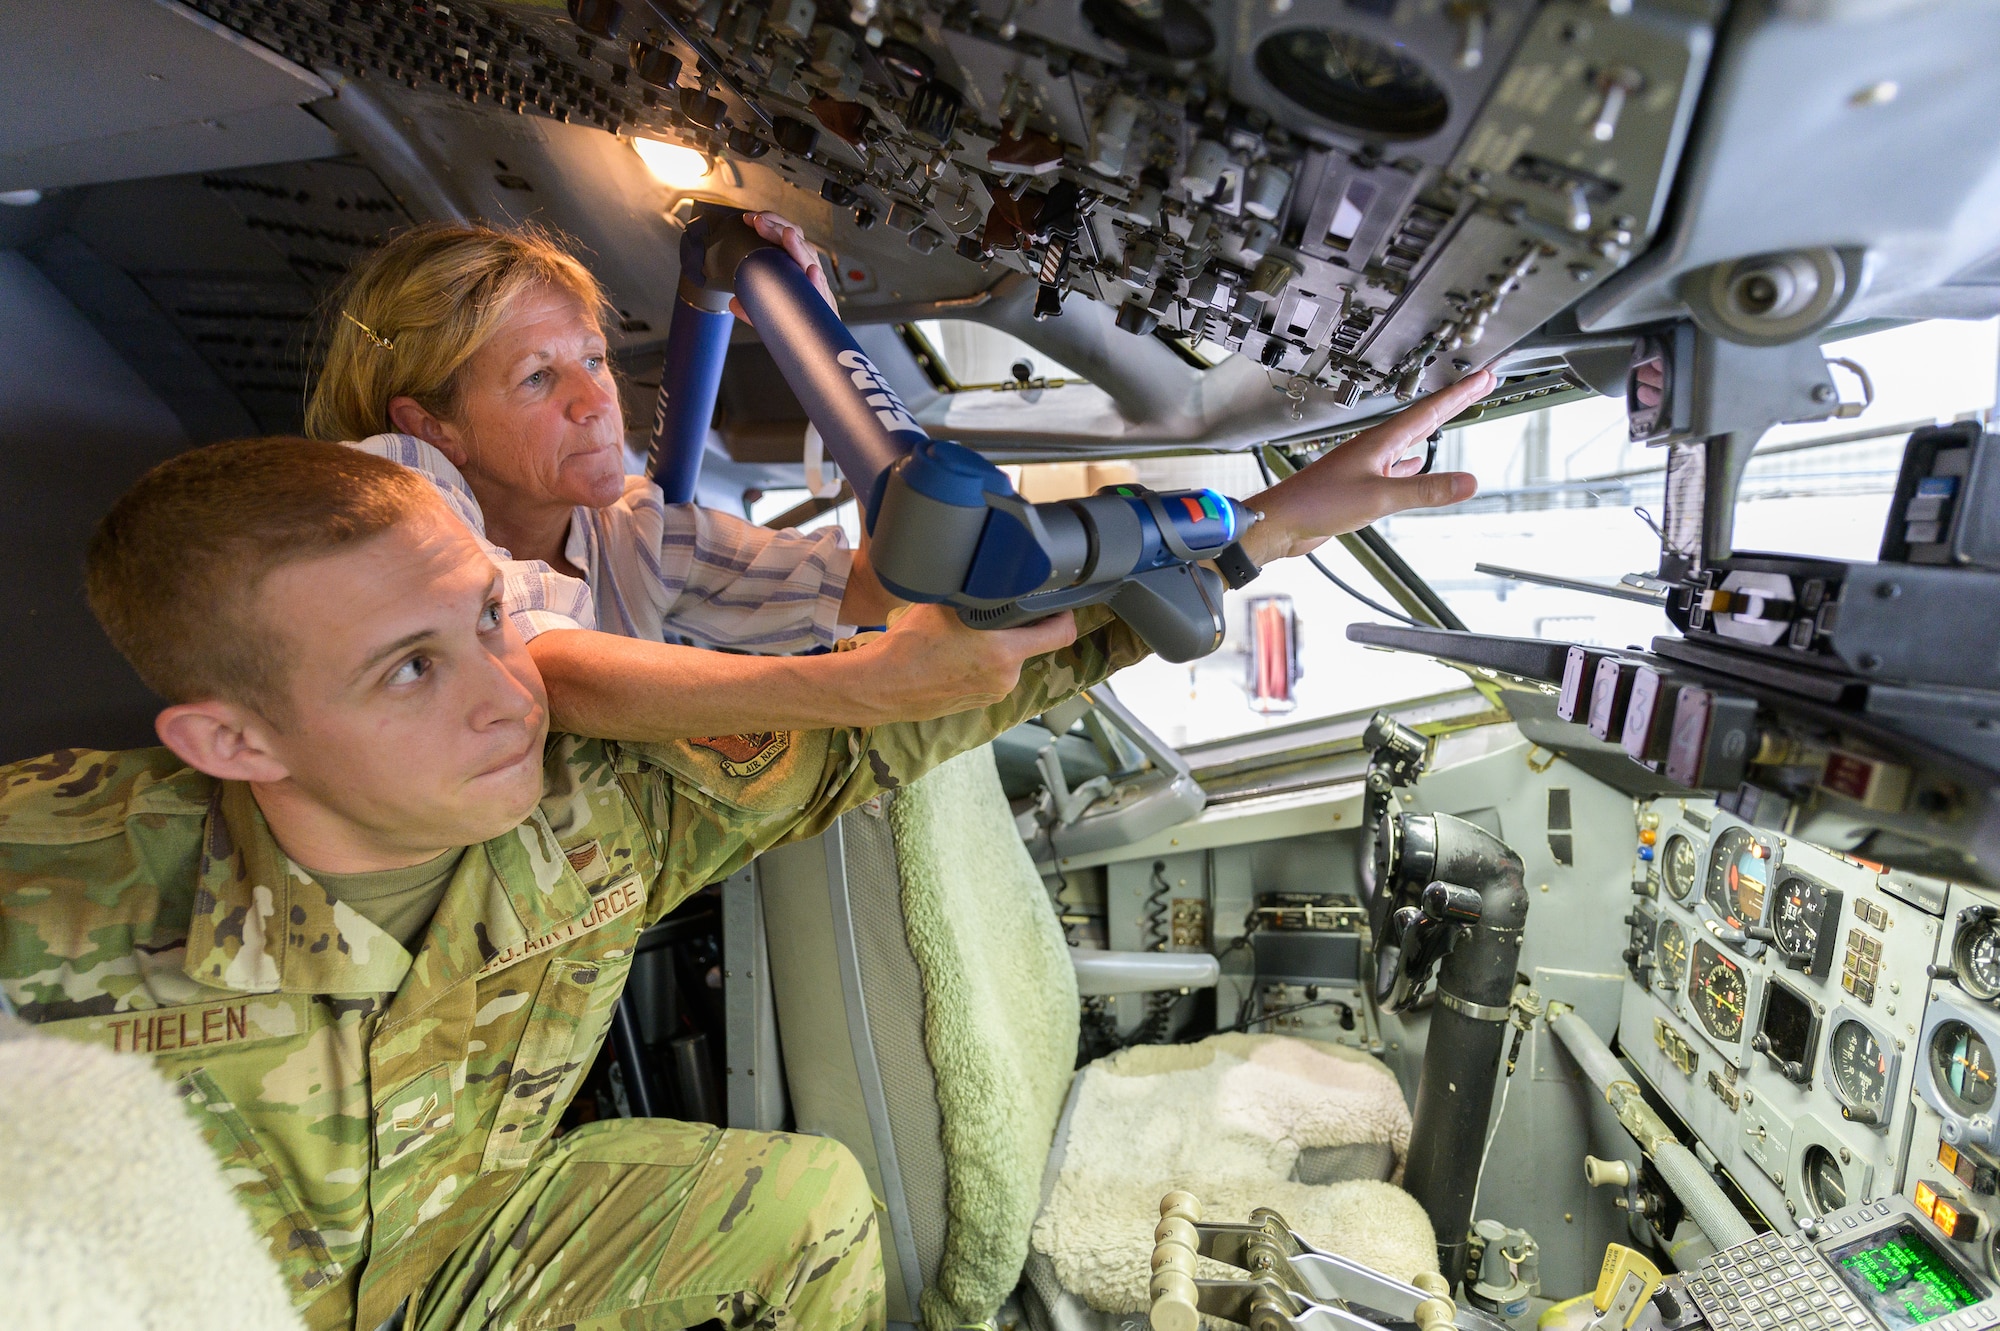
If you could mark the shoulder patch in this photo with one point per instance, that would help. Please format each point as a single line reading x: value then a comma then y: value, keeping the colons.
x: 744, y: 756
x: 764, y: 772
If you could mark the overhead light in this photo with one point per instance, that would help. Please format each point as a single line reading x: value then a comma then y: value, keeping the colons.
x: 672, y: 164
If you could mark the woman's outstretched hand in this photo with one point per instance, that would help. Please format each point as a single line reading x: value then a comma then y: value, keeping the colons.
x: 1364, y: 479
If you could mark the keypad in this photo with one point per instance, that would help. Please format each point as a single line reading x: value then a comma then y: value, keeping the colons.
x: 1780, y: 1282
x: 1774, y: 1281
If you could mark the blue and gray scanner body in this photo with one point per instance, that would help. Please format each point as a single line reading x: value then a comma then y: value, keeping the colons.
x: 945, y: 525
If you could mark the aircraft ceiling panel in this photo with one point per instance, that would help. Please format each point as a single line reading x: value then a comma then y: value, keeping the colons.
x: 239, y: 263
x: 122, y: 88
x: 1867, y: 132
x: 218, y: 143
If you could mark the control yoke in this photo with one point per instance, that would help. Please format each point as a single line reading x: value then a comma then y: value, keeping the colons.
x: 945, y: 524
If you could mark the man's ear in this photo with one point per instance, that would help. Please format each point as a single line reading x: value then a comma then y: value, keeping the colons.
x: 224, y: 740
x: 410, y: 417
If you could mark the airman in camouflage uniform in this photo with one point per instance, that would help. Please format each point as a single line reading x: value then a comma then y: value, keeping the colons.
x: 386, y: 1117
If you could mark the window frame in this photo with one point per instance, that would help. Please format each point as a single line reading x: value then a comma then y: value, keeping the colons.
x: 932, y: 362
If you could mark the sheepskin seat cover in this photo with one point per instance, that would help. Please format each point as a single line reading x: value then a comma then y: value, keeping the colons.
x: 1226, y: 1119
x: 112, y: 1211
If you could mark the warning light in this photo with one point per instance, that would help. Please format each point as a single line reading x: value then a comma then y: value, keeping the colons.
x: 1954, y: 1223
x: 1926, y: 1199
x: 1948, y: 1157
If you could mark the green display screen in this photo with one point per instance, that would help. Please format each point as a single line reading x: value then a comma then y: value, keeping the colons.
x: 1902, y: 1279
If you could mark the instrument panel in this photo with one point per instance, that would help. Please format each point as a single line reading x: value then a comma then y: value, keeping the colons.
x: 1780, y: 999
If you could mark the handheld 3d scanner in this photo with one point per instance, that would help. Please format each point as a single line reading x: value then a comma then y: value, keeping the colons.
x: 945, y: 525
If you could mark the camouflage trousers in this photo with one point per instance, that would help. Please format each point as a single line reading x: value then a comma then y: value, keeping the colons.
x: 644, y: 1223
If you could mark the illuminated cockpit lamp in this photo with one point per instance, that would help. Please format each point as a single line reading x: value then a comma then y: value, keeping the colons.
x: 674, y: 165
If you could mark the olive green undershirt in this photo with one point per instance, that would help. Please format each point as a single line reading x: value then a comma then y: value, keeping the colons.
x: 399, y: 902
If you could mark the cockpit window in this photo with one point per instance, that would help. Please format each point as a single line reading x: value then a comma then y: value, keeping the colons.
x: 1562, y: 492
x: 1218, y: 696
x: 962, y: 356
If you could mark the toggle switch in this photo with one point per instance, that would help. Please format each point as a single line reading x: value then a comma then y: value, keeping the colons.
x: 1616, y: 86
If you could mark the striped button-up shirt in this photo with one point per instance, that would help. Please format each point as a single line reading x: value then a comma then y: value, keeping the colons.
x: 661, y: 571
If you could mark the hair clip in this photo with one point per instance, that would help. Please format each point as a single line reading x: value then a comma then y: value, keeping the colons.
x: 371, y: 334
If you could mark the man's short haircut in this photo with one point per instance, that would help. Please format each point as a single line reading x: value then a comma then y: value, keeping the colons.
x: 410, y: 315
x: 174, y: 568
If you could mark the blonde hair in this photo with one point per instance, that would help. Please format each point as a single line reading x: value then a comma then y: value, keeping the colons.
x: 411, y: 314
x: 173, y: 569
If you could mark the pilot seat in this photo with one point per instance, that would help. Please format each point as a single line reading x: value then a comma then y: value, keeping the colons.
x: 927, y: 1010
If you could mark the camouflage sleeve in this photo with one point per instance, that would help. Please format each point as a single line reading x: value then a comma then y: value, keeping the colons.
x: 901, y: 752
x: 715, y: 803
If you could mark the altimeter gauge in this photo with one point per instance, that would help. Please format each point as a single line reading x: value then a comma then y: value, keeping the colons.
x: 1861, y: 1065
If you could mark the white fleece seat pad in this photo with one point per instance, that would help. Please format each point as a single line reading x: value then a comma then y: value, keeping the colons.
x: 1225, y: 1119
x: 113, y: 1214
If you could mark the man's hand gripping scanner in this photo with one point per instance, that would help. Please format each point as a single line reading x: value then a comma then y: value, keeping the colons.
x: 1285, y: 1283
x: 945, y: 524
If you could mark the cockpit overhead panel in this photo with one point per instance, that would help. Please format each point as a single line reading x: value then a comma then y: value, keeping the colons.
x: 1368, y: 199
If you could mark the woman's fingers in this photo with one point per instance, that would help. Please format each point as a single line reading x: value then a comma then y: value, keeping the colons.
x: 1437, y: 489
x: 781, y: 231
x: 1421, y: 418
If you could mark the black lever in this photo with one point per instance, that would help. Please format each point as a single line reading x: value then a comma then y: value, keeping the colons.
x: 1428, y: 931
x: 1446, y: 902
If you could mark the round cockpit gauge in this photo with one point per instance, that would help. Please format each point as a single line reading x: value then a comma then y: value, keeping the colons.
x: 1859, y: 1066
x: 1715, y: 984
x: 1976, y: 956
x: 1825, y: 1185
x: 1353, y: 81
x: 1680, y: 866
x: 1739, y: 873
x: 1798, y: 915
x: 1962, y: 1067
x: 1670, y: 956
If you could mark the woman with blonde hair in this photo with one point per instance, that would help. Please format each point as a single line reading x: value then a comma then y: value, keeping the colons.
x: 476, y: 356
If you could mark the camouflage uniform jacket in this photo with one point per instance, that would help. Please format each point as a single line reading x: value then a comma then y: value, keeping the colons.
x: 374, y: 1108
